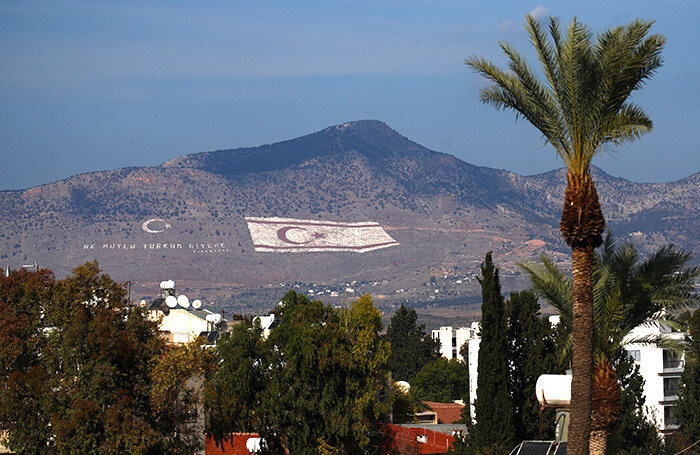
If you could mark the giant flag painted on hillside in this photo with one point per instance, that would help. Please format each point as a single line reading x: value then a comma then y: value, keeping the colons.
x: 287, y: 235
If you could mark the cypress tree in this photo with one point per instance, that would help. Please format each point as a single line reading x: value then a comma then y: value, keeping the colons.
x: 532, y: 353
x: 495, y: 419
x: 411, y: 347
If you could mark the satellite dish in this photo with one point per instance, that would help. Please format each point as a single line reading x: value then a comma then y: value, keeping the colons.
x: 142, y: 303
x: 171, y: 301
x: 197, y: 304
x: 183, y: 301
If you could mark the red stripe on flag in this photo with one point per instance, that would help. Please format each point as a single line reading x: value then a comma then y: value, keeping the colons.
x: 311, y: 223
x: 308, y: 247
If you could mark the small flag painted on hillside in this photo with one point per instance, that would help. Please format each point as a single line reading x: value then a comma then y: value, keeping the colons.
x: 287, y: 235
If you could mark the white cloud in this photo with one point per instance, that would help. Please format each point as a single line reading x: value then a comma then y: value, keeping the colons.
x: 507, y: 26
x: 539, y: 12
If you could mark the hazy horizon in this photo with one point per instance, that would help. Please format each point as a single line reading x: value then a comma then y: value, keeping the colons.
x: 95, y: 85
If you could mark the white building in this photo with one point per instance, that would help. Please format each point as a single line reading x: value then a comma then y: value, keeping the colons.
x: 661, y: 368
x: 180, y: 321
x: 451, y: 342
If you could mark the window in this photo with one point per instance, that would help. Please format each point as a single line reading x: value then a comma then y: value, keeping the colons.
x: 671, y: 386
x: 671, y: 359
x: 669, y: 417
x: 635, y: 354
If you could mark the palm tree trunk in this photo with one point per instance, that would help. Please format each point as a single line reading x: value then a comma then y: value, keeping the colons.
x: 598, y: 442
x: 606, y: 405
x: 582, y: 362
x: 582, y: 225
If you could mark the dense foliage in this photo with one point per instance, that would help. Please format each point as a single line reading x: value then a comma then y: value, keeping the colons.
x: 688, y: 405
x: 411, y: 347
x: 443, y: 381
x: 494, y: 431
x: 532, y: 352
x: 318, y: 383
x: 78, y: 368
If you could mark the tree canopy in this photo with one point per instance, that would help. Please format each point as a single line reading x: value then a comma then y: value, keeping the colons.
x: 442, y: 381
x: 318, y: 383
x: 82, y: 371
x: 411, y: 347
x: 495, y: 415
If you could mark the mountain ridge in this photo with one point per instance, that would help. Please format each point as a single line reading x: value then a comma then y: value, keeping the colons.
x: 444, y: 212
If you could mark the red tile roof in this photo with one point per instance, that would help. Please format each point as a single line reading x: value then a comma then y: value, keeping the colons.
x: 233, y: 445
x: 446, y: 412
x: 420, y: 440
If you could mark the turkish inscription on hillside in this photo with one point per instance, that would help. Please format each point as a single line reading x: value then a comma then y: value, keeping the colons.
x: 156, y: 226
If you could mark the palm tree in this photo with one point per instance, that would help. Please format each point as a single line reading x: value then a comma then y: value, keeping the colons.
x: 627, y: 293
x: 581, y: 108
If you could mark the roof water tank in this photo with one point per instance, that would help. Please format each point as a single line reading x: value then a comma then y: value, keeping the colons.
x: 404, y: 386
x: 554, y: 390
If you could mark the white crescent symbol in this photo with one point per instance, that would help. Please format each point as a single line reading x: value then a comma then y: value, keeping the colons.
x: 154, y: 231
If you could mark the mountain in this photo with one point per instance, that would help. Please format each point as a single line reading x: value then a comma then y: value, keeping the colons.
x: 445, y: 214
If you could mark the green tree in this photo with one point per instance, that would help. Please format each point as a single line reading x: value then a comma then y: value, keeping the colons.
x: 234, y: 391
x: 23, y: 296
x: 494, y: 431
x: 627, y: 293
x: 176, y: 396
x: 318, y: 383
x: 411, y: 347
x: 532, y: 352
x: 442, y: 381
x: 686, y: 408
x: 79, y: 375
x: 99, y: 356
x: 581, y: 108
x: 633, y: 433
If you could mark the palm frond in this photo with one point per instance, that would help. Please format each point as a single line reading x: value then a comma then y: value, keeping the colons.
x: 551, y: 284
x: 582, y: 105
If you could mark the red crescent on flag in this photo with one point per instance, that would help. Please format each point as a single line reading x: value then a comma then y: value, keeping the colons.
x: 282, y: 235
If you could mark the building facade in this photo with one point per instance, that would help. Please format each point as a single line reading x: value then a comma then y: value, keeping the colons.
x: 661, y: 368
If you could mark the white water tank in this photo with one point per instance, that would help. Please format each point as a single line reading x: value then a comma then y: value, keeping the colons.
x: 254, y: 445
x: 554, y: 390
x: 403, y: 386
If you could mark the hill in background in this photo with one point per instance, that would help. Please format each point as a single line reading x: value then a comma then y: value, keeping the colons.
x: 445, y: 213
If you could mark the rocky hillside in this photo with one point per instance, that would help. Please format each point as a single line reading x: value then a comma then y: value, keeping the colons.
x: 444, y: 213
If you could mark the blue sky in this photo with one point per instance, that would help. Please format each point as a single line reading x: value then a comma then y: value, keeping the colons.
x: 91, y: 85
